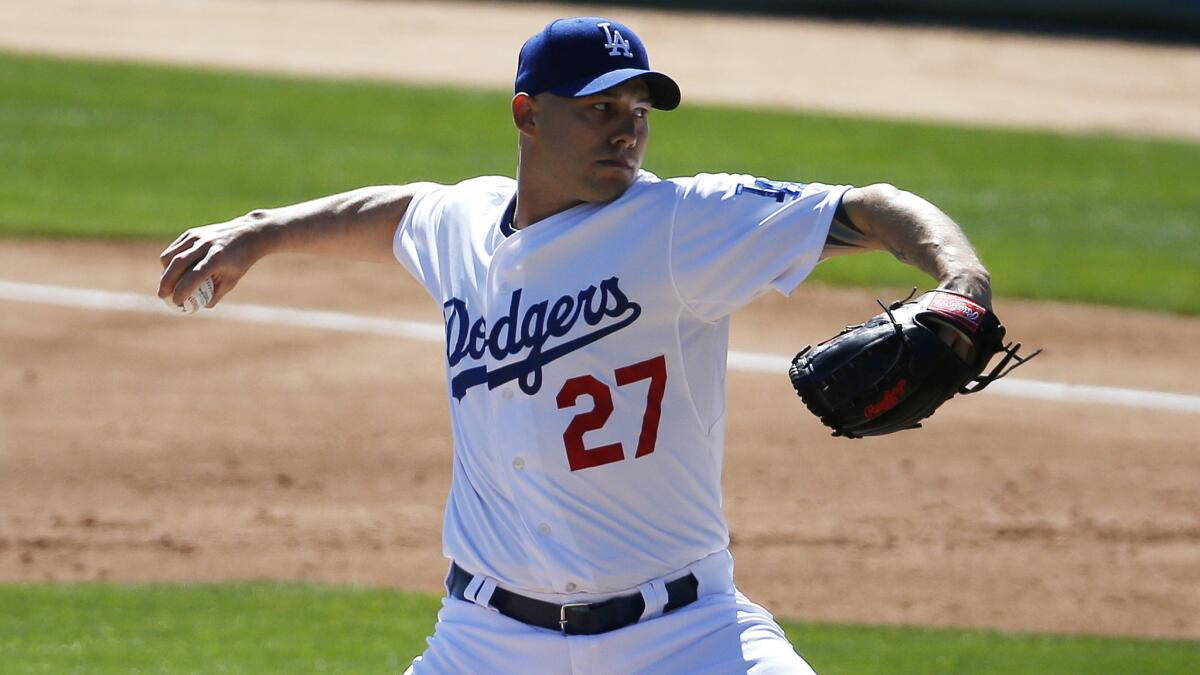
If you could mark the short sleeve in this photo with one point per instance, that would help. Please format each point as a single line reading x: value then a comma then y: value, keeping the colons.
x: 735, y: 236
x: 415, y: 241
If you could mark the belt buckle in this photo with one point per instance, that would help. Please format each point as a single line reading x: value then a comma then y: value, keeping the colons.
x: 562, y: 614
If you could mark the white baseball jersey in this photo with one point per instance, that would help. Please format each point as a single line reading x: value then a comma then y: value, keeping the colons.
x: 586, y: 359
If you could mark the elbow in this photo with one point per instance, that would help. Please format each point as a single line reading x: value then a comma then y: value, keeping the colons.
x: 874, y: 198
x: 867, y: 205
x: 881, y: 201
x: 883, y: 195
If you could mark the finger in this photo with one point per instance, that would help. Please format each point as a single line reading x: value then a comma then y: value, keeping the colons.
x: 191, y: 279
x: 224, y: 280
x: 181, y: 243
x: 172, y: 251
x: 168, y: 283
x: 222, y: 284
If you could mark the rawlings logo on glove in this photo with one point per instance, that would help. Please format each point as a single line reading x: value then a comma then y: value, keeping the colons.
x: 957, y: 307
x: 895, y: 370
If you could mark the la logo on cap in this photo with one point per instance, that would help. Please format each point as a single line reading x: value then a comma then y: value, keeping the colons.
x: 616, y: 44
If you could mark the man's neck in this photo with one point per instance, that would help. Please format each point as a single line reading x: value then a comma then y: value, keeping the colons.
x: 532, y: 206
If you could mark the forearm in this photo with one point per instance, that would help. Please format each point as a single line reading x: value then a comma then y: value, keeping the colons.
x: 919, y: 234
x: 358, y: 224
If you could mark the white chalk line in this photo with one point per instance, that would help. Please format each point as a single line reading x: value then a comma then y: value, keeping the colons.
x: 87, y: 298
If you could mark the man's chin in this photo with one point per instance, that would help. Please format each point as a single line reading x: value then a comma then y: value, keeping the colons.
x: 609, y: 189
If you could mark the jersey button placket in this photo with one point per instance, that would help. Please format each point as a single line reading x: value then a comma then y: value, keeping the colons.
x: 517, y: 414
x: 511, y: 407
x: 499, y: 288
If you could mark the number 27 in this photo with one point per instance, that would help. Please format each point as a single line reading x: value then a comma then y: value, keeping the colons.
x: 582, y: 457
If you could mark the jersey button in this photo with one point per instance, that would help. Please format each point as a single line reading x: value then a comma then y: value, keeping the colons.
x: 507, y: 394
x: 519, y: 463
x: 543, y: 529
x: 571, y: 587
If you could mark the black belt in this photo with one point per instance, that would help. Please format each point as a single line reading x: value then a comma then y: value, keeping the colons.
x: 577, y: 618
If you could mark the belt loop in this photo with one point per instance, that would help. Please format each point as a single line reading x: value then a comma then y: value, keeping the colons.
x: 473, y: 588
x: 483, y: 597
x: 479, y: 591
x: 654, y: 592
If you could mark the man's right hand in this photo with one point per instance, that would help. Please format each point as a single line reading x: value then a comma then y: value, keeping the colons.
x: 223, y: 251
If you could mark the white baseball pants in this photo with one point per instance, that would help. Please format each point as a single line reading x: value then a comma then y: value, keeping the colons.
x: 722, y: 632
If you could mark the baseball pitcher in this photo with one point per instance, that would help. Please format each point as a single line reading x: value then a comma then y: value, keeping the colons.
x: 587, y: 307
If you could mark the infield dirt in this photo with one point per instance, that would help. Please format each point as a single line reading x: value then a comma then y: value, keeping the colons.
x: 137, y: 447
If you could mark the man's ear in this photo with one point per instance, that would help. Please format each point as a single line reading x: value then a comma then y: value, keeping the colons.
x: 524, y: 112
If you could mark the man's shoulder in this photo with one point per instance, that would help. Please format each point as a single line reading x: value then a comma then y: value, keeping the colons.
x: 708, y: 183
x: 487, y: 188
x: 704, y: 188
x: 650, y: 188
x: 488, y: 183
x: 469, y: 197
x: 467, y: 205
x: 651, y: 185
x: 647, y: 179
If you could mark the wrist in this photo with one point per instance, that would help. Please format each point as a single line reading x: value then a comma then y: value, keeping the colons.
x: 263, y: 233
x: 975, y: 283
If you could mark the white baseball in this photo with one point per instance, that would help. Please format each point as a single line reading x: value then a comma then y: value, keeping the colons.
x: 194, y: 302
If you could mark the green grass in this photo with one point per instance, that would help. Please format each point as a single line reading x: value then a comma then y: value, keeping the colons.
x: 296, y: 628
x: 117, y: 150
x: 246, y: 628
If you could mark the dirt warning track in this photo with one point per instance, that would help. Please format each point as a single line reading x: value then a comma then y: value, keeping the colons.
x: 154, y: 447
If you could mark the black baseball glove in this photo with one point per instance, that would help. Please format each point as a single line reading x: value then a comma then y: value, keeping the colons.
x: 893, y: 371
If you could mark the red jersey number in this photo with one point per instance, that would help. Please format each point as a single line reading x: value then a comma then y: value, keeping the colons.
x: 579, y: 456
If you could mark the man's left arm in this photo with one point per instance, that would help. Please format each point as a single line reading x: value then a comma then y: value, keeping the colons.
x: 881, y: 217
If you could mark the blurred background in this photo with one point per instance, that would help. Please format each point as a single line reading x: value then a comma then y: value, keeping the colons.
x: 1152, y: 19
x: 259, y: 488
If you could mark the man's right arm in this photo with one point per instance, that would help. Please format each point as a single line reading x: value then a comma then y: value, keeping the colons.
x: 358, y: 225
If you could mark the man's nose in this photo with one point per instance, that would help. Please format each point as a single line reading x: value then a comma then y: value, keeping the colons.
x: 626, y: 133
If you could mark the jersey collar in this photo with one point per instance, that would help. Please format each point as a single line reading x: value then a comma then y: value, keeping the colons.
x: 506, y: 227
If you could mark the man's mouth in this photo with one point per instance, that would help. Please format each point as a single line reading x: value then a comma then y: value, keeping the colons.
x: 616, y: 163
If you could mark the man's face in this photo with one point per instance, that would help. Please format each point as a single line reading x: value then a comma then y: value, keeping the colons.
x: 594, y: 144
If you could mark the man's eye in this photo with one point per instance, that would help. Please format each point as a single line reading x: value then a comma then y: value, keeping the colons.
x: 602, y: 107
x: 641, y: 113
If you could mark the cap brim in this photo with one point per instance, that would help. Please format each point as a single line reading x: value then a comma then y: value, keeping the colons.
x: 664, y: 93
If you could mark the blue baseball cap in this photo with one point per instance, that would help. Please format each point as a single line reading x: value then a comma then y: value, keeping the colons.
x: 586, y: 55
